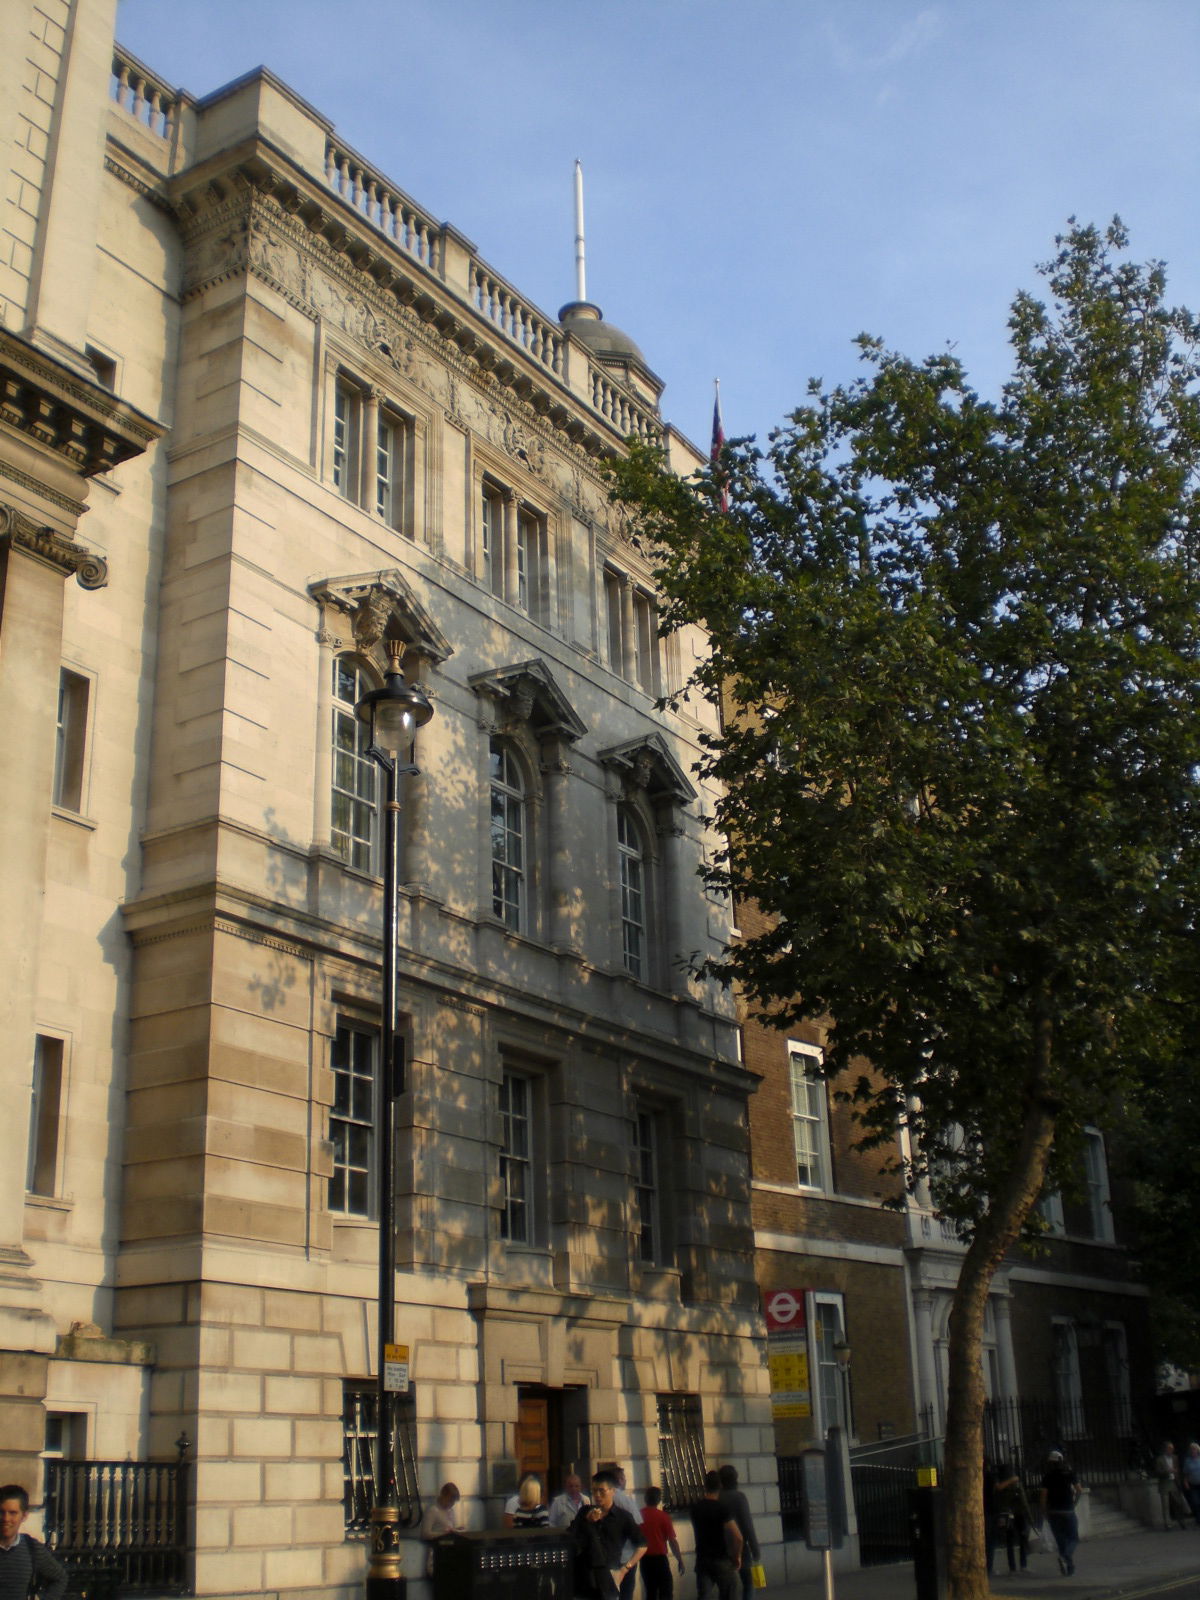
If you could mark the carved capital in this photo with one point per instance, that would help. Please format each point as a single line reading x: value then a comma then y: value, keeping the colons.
x: 53, y: 549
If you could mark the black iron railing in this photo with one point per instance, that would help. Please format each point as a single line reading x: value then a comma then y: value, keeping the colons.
x: 119, y: 1524
x: 1104, y: 1441
x: 680, y: 1449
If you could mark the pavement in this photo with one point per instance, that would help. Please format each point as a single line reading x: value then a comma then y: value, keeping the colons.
x: 1129, y: 1564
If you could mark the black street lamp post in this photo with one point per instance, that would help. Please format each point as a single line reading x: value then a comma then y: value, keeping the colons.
x: 393, y: 714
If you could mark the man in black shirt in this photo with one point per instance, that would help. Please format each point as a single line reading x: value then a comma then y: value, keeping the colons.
x: 718, y: 1544
x: 26, y: 1566
x: 599, y: 1534
x: 1060, y: 1490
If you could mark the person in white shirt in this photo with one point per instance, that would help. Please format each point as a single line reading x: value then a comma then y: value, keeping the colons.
x: 440, y: 1519
x: 565, y: 1507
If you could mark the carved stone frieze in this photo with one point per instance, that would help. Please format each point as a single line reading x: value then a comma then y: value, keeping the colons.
x: 294, y: 237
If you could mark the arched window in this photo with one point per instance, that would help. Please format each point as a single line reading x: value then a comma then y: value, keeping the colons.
x: 509, y: 821
x: 354, y: 812
x: 632, y: 858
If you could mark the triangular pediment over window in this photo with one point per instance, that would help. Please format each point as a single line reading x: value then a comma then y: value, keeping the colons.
x: 382, y: 605
x: 648, y: 764
x: 528, y: 693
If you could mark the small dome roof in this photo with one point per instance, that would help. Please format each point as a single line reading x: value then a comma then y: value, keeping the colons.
x: 586, y: 322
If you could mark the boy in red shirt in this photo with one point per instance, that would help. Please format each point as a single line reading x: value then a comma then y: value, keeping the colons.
x: 659, y: 1533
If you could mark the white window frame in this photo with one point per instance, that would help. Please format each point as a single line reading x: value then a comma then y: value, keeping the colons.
x: 828, y: 1382
x: 1095, y: 1172
x: 519, y: 1213
x: 1067, y: 1376
x: 354, y: 781
x: 353, y: 1062
x: 508, y: 835
x: 634, y: 882
x: 810, y: 1115
x: 47, y: 1120
x: 1051, y: 1208
x: 650, y: 1245
x: 373, y: 473
x: 71, y: 740
x: 345, y: 461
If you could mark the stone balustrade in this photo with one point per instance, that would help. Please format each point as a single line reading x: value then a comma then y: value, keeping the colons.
x: 146, y: 98
x: 383, y: 205
x: 625, y: 414
x: 505, y: 308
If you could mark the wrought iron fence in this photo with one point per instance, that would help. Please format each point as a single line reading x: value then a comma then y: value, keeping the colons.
x: 360, y: 1436
x: 883, y: 1503
x: 1104, y: 1441
x: 791, y: 1495
x: 119, y: 1524
x: 680, y: 1449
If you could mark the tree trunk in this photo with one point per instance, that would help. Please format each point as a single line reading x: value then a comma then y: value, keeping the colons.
x: 997, y: 1233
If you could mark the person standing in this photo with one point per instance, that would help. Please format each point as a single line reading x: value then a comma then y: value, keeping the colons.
x: 1166, y: 1470
x: 26, y: 1567
x: 659, y: 1532
x: 526, y: 1508
x: 1189, y: 1472
x: 625, y: 1501
x: 733, y: 1499
x: 1011, y: 1510
x: 1059, y: 1492
x: 565, y: 1507
x: 718, y: 1544
x: 440, y: 1519
x: 599, y: 1536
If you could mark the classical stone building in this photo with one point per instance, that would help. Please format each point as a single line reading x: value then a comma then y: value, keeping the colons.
x: 308, y: 426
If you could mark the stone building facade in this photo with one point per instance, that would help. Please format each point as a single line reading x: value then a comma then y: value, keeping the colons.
x: 308, y: 425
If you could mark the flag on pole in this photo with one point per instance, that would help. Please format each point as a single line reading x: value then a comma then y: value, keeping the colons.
x: 718, y: 443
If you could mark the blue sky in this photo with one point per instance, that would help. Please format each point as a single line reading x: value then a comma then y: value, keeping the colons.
x: 764, y: 178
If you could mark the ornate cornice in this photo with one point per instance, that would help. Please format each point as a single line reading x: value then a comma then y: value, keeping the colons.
x: 371, y: 602
x: 648, y: 764
x: 48, y: 403
x: 227, y: 217
x: 53, y: 549
x: 528, y: 693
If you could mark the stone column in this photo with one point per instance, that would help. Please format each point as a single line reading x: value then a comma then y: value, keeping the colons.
x: 673, y: 910
x: 1005, y: 1357
x: 34, y: 565
x: 368, y: 444
x: 323, y: 768
x: 564, y: 909
x: 512, y: 581
x: 628, y: 631
x: 926, y: 1372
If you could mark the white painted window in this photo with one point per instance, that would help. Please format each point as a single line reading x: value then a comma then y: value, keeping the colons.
x: 810, y: 1123
x: 352, y: 1118
x: 371, y: 452
x: 518, y: 1217
x: 354, y: 815
x: 45, y: 1116
x: 70, y: 746
x: 651, y: 1245
x: 1116, y: 1372
x: 509, y: 820
x: 1068, y: 1385
x: 631, y: 856
x: 1095, y: 1169
x: 831, y: 1389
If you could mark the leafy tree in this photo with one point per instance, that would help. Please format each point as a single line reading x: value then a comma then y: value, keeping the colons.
x: 958, y: 643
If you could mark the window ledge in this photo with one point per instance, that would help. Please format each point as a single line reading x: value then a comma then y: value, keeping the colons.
x: 49, y: 1202
x: 77, y: 818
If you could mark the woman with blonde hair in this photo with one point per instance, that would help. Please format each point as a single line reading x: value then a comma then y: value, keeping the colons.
x: 526, y: 1509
